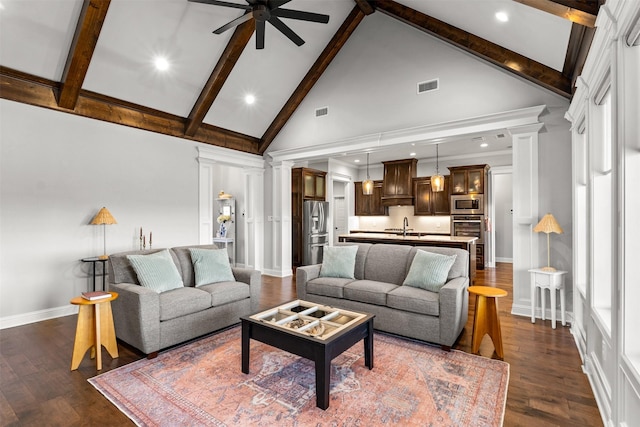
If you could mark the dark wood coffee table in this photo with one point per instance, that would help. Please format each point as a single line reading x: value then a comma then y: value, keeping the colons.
x: 313, y: 331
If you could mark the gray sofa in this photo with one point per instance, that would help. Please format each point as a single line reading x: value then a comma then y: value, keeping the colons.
x: 150, y: 321
x: 380, y: 270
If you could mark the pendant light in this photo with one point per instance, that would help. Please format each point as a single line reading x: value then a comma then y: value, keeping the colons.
x: 437, y: 180
x: 367, y: 184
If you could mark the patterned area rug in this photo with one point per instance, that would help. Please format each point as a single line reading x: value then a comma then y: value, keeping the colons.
x: 411, y: 384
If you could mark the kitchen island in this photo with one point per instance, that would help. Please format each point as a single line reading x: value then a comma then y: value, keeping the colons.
x: 462, y: 242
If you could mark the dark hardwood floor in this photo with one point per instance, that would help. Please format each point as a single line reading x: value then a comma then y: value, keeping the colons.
x: 546, y: 386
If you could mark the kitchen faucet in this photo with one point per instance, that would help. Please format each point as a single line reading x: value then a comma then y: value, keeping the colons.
x: 405, y: 224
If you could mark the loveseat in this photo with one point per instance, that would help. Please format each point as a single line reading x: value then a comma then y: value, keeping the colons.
x: 151, y: 321
x: 380, y: 270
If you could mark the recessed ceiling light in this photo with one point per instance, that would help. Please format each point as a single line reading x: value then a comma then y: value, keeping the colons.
x: 161, y: 63
x: 249, y: 99
x: 357, y: 160
x: 412, y: 154
x: 484, y: 145
x: 502, y: 16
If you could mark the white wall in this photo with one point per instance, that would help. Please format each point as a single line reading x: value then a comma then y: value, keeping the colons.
x: 503, y: 221
x: 56, y: 171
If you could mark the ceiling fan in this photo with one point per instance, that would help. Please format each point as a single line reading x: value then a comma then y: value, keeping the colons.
x: 267, y: 10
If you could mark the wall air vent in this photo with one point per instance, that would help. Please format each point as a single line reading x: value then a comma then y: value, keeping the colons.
x: 428, y: 86
x: 322, y: 111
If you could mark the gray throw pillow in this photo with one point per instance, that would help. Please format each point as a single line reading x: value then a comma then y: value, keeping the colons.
x: 339, y: 261
x: 429, y: 270
x: 211, y: 266
x: 156, y: 271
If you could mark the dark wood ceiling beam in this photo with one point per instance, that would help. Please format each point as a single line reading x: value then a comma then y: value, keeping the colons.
x: 587, y: 6
x: 28, y: 89
x: 365, y: 6
x: 563, y: 10
x: 84, y: 43
x: 514, y: 62
x: 577, y: 50
x: 313, y: 75
x: 219, y: 75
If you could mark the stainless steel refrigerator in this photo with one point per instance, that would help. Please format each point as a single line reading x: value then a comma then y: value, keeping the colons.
x: 314, y: 230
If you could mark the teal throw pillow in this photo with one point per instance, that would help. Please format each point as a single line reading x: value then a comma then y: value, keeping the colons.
x: 429, y: 270
x: 156, y: 271
x: 339, y: 261
x: 211, y: 266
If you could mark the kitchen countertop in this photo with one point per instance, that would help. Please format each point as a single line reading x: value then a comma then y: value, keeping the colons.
x: 411, y: 232
x: 400, y: 237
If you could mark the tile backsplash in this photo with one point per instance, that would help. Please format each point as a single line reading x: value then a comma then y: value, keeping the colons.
x: 429, y: 224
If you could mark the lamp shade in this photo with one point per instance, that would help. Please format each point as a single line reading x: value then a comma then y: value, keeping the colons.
x: 437, y: 183
x: 103, y: 217
x: 548, y: 224
x: 367, y: 187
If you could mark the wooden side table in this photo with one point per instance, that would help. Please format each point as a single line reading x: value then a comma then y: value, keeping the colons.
x: 94, y: 330
x: 486, y: 319
x: 554, y: 281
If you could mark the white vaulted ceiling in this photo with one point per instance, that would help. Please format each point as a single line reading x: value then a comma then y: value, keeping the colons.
x: 36, y: 38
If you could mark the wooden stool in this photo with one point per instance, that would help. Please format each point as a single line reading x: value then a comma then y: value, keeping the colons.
x: 485, y: 319
x: 94, y: 330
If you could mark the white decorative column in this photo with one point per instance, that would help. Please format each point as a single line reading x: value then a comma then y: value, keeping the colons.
x: 254, y: 218
x: 525, y: 213
x: 281, y: 223
x: 205, y: 200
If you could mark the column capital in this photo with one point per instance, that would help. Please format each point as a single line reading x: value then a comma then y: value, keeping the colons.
x: 525, y: 129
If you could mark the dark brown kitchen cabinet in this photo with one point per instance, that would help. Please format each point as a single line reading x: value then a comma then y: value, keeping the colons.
x: 314, y: 183
x: 306, y: 184
x: 397, y: 184
x: 429, y: 202
x: 370, y: 205
x: 468, y: 179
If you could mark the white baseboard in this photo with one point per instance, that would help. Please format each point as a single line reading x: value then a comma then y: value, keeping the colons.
x: 37, y: 316
x: 277, y: 273
x: 525, y: 311
x: 500, y: 259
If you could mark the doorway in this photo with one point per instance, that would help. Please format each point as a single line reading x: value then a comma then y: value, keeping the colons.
x: 501, y: 215
x: 340, y: 216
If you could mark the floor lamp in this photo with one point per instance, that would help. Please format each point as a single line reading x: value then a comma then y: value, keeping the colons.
x: 104, y: 217
x: 548, y: 224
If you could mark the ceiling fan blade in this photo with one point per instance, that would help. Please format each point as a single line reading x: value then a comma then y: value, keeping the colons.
x: 274, y: 4
x: 223, y: 3
x: 260, y: 34
x: 244, y: 18
x: 303, y: 16
x: 284, y: 29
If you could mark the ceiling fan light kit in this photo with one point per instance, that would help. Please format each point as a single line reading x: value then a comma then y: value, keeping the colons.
x: 263, y: 11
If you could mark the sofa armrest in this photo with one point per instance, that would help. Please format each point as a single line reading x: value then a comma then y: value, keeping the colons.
x: 303, y: 275
x: 454, y: 309
x: 253, y: 278
x: 136, y: 316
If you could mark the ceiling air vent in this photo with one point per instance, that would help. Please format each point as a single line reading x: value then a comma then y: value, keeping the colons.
x: 500, y: 136
x: 428, y: 86
x: 322, y: 111
x: 478, y: 139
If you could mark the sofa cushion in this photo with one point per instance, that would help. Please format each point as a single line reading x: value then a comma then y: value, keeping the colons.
x: 211, y: 266
x: 121, y: 271
x: 222, y: 293
x: 361, y: 256
x: 182, y: 301
x: 156, y: 271
x: 368, y: 291
x: 429, y: 270
x: 387, y: 263
x: 416, y: 300
x: 328, y: 286
x: 182, y: 255
x: 339, y: 261
x: 460, y: 267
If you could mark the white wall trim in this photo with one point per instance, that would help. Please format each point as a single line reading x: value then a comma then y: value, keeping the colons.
x: 281, y: 242
x: 497, y: 170
x: 37, y: 316
x: 485, y: 123
x: 525, y: 210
